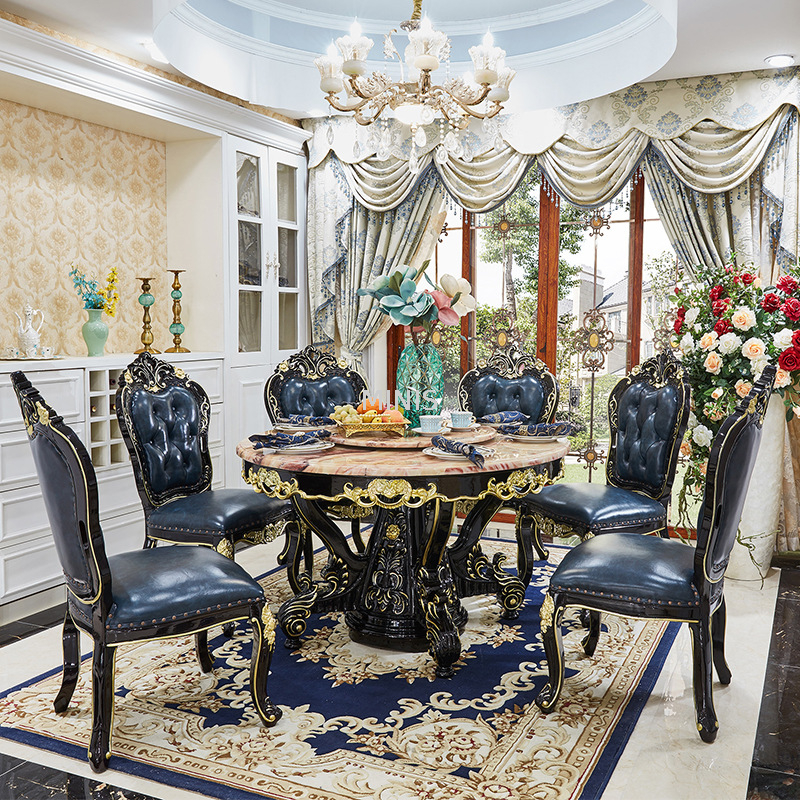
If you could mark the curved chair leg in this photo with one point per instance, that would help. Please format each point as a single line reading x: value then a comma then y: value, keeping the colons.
x: 225, y: 548
x: 263, y: 647
x: 718, y: 640
x: 593, y: 634
x: 550, y: 617
x: 702, y: 658
x: 72, y: 664
x: 103, y: 705
x: 355, y: 532
x: 529, y: 539
x: 203, y: 654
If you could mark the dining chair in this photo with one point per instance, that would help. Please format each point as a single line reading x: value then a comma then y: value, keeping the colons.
x: 657, y: 578
x: 311, y: 383
x: 648, y: 411
x: 164, y: 418
x: 131, y: 597
x: 509, y: 380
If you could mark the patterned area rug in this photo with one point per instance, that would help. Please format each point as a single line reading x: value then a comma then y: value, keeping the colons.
x: 366, y: 724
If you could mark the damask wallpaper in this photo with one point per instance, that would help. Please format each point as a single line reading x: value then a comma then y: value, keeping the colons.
x: 74, y: 192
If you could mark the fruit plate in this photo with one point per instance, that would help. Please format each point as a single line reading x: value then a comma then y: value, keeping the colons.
x: 352, y: 428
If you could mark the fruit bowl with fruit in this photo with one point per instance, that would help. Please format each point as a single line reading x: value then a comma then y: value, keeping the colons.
x: 370, y: 416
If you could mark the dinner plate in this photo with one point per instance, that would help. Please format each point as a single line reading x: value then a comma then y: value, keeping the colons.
x: 486, y: 452
x: 427, y: 433
x: 288, y: 427
x: 534, y: 439
x: 473, y: 427
x: 308, y: 447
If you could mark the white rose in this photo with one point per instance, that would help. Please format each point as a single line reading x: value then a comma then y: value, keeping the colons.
x: 754, y: 348
x: 687, y: 343
x: 757, y: 365
x: 729, y: 342
x: 782, y: 338
x: 692, y: 419
x: 691, y: 316
x: 743, y: 318
x: 702, y: 435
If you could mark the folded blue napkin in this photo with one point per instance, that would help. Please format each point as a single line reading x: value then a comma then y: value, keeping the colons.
x: 462, y: 448
x: 505, y: 416
x: 540, y: 429
x: 299, y: 419
x: 277, y: 441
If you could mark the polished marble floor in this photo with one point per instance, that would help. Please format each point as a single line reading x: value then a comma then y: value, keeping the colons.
x: 754, y: 757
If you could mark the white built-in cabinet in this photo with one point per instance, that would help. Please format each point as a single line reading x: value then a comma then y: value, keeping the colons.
x: 83, y: 392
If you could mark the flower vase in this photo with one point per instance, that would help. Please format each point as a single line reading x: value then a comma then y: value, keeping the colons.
x: 751, y: 555
x: 420, y: 382
x: 95, y: 332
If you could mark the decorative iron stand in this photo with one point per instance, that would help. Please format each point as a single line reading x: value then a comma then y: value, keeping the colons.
x: 177, y: 328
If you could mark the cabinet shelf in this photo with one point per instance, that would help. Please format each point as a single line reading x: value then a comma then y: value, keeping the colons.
x: 105, y: 439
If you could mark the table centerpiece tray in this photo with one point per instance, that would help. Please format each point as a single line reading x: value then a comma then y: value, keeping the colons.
x: 409, y: 441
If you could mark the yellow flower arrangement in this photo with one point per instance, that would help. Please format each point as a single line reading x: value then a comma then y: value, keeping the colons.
x: 92, y: 295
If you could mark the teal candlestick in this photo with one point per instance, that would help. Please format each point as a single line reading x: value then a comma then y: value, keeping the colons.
x: 145, y: 301
x: 177, y: 328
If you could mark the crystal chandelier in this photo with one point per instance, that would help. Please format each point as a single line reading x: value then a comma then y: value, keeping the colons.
x: 416, y: 101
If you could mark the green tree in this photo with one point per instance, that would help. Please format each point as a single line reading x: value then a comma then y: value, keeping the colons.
x: 520, y: 243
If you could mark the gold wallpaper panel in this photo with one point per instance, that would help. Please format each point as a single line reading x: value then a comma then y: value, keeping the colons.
x: 71, y: 191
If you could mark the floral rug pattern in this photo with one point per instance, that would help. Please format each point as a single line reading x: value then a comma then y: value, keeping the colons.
x: 361, y: 723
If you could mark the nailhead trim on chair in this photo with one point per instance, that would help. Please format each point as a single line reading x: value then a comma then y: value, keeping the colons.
x: 554, y: 588
x: 611, y: 524
x: 209, y: 531
x: 195, y: 613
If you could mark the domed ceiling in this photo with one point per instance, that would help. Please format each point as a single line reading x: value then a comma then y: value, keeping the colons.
x: 563, y: 51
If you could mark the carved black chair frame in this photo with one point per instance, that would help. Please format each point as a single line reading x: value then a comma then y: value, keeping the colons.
x: 472, y: 570
x: 312, y: 364
x: 150, y: 374
x: 90, y: 596
x: 728, y: 474
x: 658, y: 371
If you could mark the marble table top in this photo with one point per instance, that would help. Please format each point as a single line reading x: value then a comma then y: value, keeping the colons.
x: 383, y: 462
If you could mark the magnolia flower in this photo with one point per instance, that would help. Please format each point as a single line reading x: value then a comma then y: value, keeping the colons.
x: 743, y: 387
x: 782, y: 378
x: 702, y: 435
x: 687, y: 343
x: 782, y: 338
x: 691, y: 315
x: 708, y: 341
x: 447, y: 315
x: 459, y: 289
x: 743, y: 318
x: 729, y: 342
x: 713, y: 363
x: 753, y: 348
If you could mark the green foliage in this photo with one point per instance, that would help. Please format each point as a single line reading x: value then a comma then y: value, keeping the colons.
x: 602, y: 389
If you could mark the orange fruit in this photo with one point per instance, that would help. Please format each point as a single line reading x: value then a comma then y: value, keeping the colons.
x: 371, y: 404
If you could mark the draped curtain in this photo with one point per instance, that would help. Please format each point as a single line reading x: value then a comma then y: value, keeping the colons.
x: 720, y: 155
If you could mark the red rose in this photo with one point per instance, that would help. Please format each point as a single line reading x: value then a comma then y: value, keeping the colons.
x: 791, y: 308
x: 770, y: 302
x: 716, y: 292
x: 789, y: 359
x: 677, y: 290
x: 719, y: 307
x: 722, y: 326
x: 748, y: 278
x: 681, y: 312
x: 796, y: 339
x: 678, y: 325
x: 787, y: 284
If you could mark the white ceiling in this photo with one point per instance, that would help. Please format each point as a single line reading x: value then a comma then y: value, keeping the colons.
x: 714, y: 36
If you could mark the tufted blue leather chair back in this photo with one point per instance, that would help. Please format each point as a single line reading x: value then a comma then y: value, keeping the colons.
x: 164, y: 420
x: 730, y: 467
x: 316, y: 398
x: 492, y: 394
x: 69, y: 489
x: 648, y: 413
x: 169, y: 438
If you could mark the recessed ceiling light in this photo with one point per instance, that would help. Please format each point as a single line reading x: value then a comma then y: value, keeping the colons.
x: 154, y: 52
x: 782, y: 60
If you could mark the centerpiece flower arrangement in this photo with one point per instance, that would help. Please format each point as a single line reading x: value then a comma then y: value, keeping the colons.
x: 92, y: 295
x: 402, y: 298
x: 728, y: 328
x: 96, y: 300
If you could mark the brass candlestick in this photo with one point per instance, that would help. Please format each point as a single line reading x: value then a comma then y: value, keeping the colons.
x: 177, y: 327
x: 145, y: 301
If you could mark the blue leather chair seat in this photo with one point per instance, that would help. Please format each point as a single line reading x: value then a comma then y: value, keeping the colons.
x: 631, y: 567
x: 228, y: 511
x: 595, y: 506
x: 183, y: 582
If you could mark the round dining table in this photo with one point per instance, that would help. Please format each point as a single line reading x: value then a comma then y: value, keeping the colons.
x: 399, y: 593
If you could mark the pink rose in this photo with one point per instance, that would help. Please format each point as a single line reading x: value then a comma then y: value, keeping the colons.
x: 743, y: 388
x: 713, y: 363
x: 782, y: 378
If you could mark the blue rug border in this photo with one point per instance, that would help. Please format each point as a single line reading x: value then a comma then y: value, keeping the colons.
x: 592, y: 790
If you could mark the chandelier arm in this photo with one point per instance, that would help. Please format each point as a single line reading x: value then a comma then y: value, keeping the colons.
x: 437, y: 92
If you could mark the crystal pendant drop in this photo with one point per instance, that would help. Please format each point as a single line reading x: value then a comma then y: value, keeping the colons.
x: 441, y: 154
x: 420, y: 140
x: 413, y: 162
x: 330, y: 132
